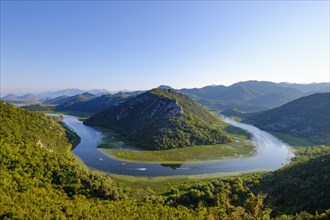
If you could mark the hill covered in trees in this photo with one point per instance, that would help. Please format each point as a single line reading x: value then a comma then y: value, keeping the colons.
x: 40, y: 179
x: 301, y: 185
x: 307, y: 117
x: 162, y: 119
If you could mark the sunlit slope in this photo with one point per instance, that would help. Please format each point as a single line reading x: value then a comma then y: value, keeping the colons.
x: 162, y: 119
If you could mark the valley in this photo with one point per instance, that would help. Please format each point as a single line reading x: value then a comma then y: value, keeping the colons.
x: 251, y: 176
x: 175, y: 179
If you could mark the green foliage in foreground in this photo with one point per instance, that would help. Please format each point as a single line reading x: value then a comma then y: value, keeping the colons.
x: 304, y: 184
x: 162, y: 119
x: 40, y: 179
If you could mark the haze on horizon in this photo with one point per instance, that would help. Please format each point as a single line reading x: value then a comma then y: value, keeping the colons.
x: 140, y: 45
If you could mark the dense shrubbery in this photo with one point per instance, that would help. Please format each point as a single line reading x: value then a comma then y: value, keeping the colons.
x: 301, y: 187
x: 304, y: 184
x: 40, y: 179
x: 35, y: 155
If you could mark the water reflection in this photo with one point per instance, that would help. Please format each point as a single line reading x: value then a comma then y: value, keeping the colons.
x: 174, y: 166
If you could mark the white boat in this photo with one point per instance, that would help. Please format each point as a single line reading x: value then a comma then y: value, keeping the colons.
x: 143, y: 169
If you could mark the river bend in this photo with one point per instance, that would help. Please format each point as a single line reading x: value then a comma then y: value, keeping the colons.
x: 271, y: 154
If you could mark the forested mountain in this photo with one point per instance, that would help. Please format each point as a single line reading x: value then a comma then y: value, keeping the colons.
x: 307, y: 117
x: 40, y: 179
x: 251, y: 96
x: 36, y: 165
x: 161, y: 119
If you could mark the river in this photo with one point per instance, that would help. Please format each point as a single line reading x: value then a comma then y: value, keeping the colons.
x: 271, y: 154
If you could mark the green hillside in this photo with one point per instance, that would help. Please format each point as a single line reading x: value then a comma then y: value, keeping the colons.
x: 304, y: 184
x: 162, y: 119
x: 40, y: 178
x: 307, y: 117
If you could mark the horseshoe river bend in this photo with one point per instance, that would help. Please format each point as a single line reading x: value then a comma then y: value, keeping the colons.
x: 271, y: 154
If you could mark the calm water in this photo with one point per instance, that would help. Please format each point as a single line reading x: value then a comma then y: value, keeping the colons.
x: 271, y: 154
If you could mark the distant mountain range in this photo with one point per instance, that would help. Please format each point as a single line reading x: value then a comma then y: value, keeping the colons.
x: 307, y: 117
x: 161, y: 119
x: 70, y: 92
x: 252, y: 96
x: 46, y: 96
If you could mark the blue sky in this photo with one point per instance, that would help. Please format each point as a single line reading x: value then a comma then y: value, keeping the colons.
x: 49, y: 45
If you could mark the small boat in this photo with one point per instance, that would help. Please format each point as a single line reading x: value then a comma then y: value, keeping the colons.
x: 143, y: 169
x: 100, y: 158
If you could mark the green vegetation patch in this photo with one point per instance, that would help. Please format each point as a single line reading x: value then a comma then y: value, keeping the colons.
x: 301, y: 185
x: 113, y: 145
x: 187, y: 154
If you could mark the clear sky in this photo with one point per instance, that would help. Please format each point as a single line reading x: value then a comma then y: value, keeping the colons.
x: 115, y: 45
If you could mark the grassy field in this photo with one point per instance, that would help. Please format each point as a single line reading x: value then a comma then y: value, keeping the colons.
x: 241, y: 148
